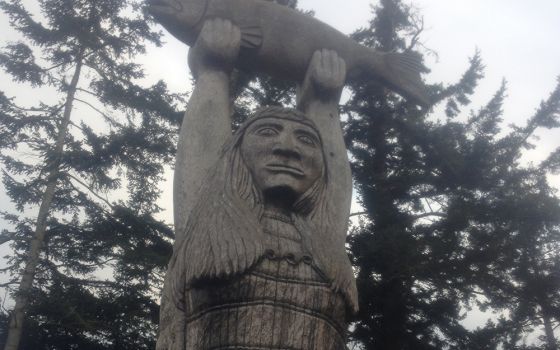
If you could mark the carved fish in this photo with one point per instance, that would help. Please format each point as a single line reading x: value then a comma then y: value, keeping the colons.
x: 281, y: 41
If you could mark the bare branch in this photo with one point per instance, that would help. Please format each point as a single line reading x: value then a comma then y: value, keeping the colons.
x: 419, y: 28
x: 54, y: 67
x: 108, y: 118
x: 104, y: 200
x: 415, y: 217
x: 428, y: 214
x: 99, y: 264
x: 89, y: 92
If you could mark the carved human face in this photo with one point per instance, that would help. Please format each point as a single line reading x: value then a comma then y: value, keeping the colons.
x: 282, y: 155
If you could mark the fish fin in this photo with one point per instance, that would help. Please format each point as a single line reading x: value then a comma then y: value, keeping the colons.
x: 404, y: 74
x: 251, y: 36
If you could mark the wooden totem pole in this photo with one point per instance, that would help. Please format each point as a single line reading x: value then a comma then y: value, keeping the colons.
x: 261, y: 215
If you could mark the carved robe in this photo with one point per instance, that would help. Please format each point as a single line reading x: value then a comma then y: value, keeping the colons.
x: 284, y: 302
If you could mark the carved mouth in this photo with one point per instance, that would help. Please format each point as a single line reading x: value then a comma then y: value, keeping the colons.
x: 282, y: 168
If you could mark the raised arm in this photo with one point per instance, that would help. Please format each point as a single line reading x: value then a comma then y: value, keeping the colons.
x: 207, y: 121
x: 318, y: 98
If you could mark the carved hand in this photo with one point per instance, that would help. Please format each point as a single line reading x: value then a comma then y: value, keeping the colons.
x: 325, y: 78
x: 216, y: 48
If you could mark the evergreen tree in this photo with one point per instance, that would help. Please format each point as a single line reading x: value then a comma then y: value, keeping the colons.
x: 405, y: 281
x: 454, y: 218
x: 514, y: 226
x: 89, y: 267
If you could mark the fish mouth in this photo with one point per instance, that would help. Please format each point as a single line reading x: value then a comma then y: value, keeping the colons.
x: 282, y: 168
x: 164, y: 5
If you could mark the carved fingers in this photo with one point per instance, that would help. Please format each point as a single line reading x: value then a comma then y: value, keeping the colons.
x: 325, y: 78
x: 217, y: 46
x: 328, y: 70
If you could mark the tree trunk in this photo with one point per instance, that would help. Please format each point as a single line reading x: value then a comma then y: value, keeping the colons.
x: 549, y: 332
x: 53, y: 166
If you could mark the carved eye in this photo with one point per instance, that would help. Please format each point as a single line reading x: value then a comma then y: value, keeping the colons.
x: 306, y: 140
x: 267, y: 131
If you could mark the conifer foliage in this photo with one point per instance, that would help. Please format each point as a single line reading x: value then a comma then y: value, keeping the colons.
x: 86, y: 266
x: 454, y: 218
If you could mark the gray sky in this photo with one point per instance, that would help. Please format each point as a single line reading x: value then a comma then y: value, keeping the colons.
x: 518, y: 40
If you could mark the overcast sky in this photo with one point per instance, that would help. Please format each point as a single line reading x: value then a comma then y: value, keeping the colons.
x: 518, y: 40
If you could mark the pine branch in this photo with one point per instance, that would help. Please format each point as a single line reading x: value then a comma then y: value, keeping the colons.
x: 464, y: 87
x: 6, y: 269
x: 546, y: 117
x: 8, y: 284
x: 6, y: 237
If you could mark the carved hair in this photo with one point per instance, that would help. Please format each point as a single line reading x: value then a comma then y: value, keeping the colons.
x: 224, y: 237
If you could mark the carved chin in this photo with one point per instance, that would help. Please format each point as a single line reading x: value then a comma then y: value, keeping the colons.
x: 281, y: 195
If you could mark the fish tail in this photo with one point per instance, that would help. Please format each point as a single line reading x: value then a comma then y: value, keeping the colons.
x: 402, y: 72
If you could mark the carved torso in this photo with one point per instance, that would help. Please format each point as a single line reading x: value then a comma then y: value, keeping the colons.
x: 238, y: 278
x: 284, y: 302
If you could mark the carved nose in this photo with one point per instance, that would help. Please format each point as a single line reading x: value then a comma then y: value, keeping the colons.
x: 286, y: 147
x: 286, y: 153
